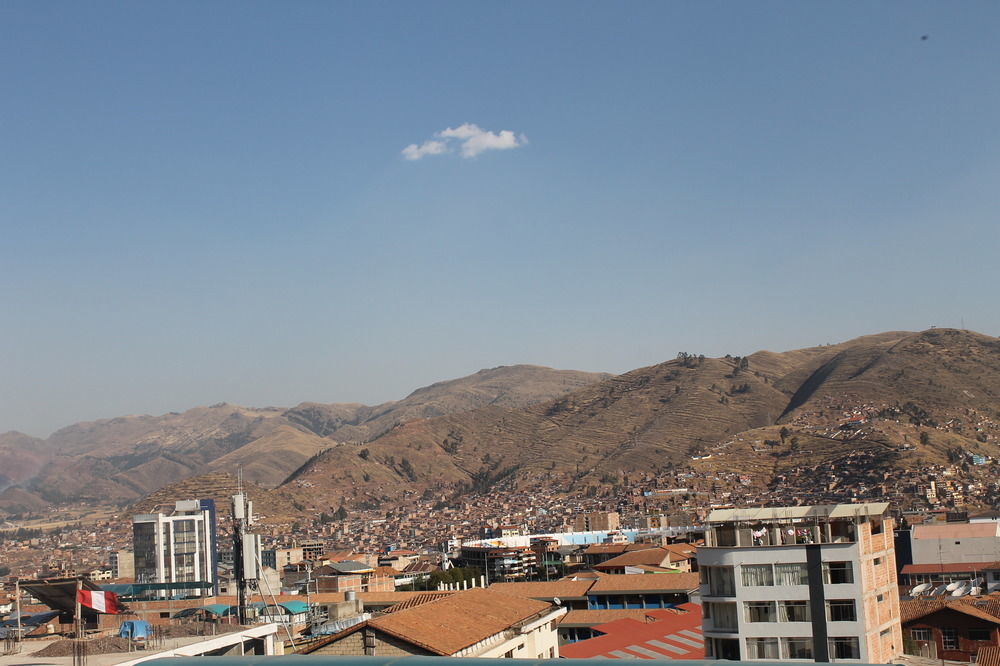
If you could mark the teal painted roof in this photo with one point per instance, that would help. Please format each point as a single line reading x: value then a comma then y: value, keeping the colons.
x: 295, y: 607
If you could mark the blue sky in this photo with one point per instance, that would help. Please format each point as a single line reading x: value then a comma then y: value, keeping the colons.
x: 205, y: 202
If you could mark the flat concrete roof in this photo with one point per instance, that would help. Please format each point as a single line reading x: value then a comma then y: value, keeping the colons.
x: 797, y: 512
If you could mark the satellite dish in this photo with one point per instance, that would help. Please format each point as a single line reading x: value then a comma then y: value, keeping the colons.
x: 556, y: 601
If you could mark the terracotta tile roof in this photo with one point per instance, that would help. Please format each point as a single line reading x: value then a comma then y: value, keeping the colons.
x: 653, y: 556
x: 663, y: 634
x: 666, y: 582
x: 688, y: 549
x: 983, y: 608
x: 417, y: 600
x: 447, y: 625
x: 564, y: 589
x: 585, y: 575
x: 649, y: 568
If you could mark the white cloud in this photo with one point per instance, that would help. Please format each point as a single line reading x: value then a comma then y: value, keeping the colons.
x: 415, y: 152
x: 471, y: 139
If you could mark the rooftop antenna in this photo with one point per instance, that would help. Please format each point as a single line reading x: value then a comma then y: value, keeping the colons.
x: 246, y: 547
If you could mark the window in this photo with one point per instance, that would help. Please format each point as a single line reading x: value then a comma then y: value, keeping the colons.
x: 760, y: 611
x: 979, y: 634
x: 949, y: 639
x: 878, y: 561
x: 723, y: 615
x: 762, y: 648
x: 793, y: 611
x: 879, y: 598
x: 721, y: 582
x: 841, y: 610
x: 757, y: 574
x: 837, y: 573
x: 797, y: 648
x: 791, y: 574
x: 164, y: 615
x: 845, y: 647
x: 920, y: 634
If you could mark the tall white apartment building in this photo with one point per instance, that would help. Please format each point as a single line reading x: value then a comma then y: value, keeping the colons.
x: 176, y: 548
x: 804, y: 583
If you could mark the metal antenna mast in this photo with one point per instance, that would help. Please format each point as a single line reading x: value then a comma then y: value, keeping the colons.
x: 246, y: 556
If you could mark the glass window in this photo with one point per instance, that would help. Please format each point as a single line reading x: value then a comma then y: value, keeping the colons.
x: 949, y: 639
x: 721, y: 581
x: 760, y: 611
x: 841, y: 610
x: 836, y: 573
x: 791, y: 574
x: 920, y: 634
x: 845, y: 647
x: 797, y: 648
x: 757, y: 574
x: 793, y: 611
x: 979, y: 634
x: 762, y: 648
x: 723, y: 615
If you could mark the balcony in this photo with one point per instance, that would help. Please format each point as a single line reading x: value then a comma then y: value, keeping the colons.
x: 751, y: 534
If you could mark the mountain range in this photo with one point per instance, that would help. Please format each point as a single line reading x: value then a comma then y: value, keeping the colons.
x: 529, y: 425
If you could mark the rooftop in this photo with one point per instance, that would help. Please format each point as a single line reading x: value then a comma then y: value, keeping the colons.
x: 450, y: 624
x: 826, y: 511
x: 660, y: 634
x: 665, y: 582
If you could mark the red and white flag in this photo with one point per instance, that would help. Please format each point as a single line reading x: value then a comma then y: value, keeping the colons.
x: 102, y: 602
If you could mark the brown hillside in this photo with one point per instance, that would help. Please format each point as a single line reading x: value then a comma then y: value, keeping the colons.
x: 269, y: 505
x: 505, y: 386
x: 121, y: 459
x: 660, y: 416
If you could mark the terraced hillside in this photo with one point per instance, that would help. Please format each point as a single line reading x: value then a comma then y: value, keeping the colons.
x: 651, y: 418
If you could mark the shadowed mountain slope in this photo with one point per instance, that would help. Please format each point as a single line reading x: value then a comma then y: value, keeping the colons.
x: 651, y: 418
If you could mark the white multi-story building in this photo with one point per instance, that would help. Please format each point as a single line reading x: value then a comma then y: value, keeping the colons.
x: 177, y: 548
x: 805, y: 583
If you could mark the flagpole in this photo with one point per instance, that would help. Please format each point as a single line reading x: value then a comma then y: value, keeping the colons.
x: 17, y: 599
x: 79, y: 611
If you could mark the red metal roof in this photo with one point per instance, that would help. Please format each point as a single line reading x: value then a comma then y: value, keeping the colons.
x: 667, y: 634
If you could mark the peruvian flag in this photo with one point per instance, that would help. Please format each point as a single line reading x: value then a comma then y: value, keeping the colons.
x: 102, y: 602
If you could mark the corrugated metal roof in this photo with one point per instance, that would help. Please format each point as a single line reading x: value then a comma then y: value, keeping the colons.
x: 665, y: 634
x: 789, y: 512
